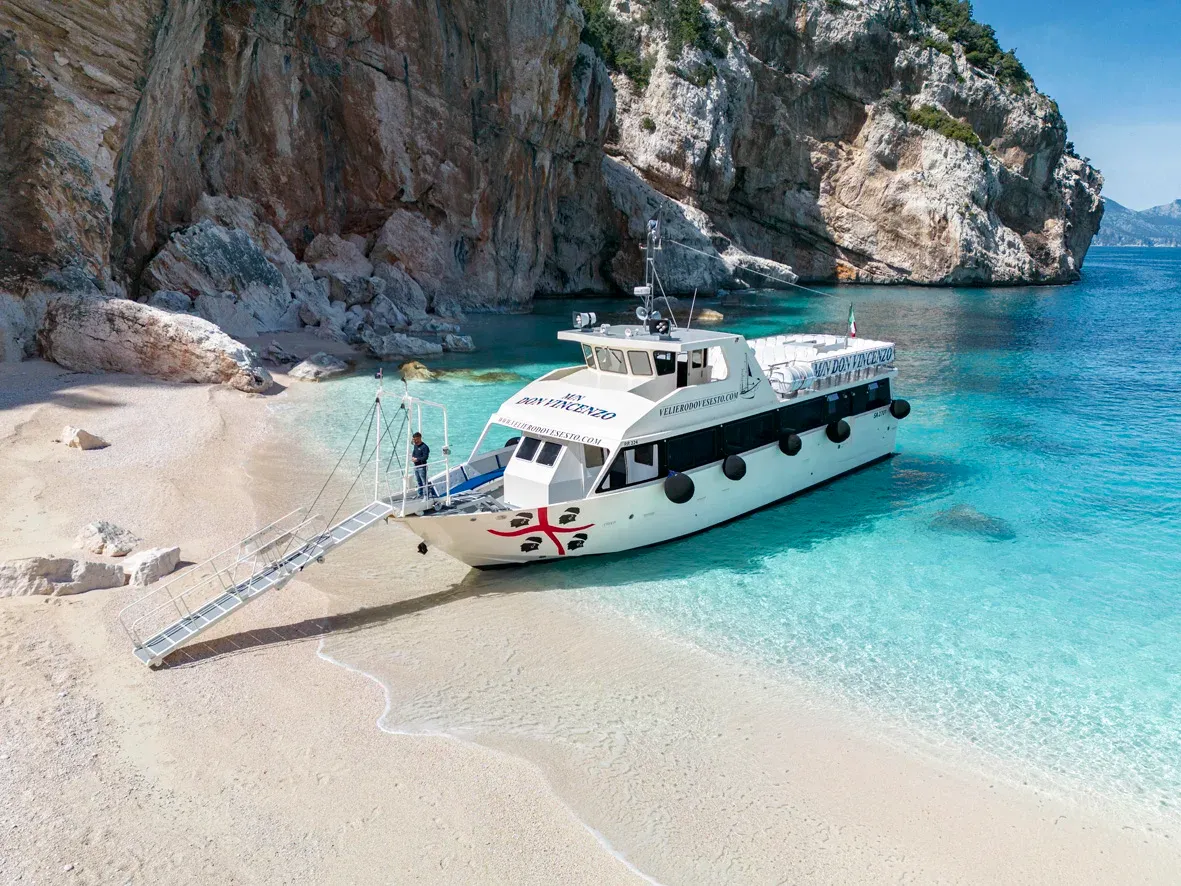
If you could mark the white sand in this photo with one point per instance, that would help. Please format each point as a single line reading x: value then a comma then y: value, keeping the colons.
x: 259, y: 761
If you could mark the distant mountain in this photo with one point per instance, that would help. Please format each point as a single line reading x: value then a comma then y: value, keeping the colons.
x: 1158, y: 226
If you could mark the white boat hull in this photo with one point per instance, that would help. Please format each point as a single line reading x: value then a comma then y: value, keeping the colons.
x: 643, y: 515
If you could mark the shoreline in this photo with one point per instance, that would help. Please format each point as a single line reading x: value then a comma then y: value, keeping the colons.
x: 311, y: 778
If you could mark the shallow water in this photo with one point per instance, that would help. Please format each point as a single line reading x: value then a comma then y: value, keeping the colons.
x: 1010, y: 581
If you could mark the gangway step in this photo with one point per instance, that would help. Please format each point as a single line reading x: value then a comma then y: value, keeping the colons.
x: 269, y: 577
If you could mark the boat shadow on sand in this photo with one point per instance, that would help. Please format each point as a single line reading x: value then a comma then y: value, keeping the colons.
x: 837, y: 508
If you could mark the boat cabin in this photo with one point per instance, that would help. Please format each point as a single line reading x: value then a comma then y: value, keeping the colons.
x: 642, y: 404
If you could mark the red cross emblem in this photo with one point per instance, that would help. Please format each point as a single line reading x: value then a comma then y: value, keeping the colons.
x: 523, y: 525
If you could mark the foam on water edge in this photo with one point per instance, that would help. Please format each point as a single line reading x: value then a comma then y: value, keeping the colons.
x: 1009, y: 582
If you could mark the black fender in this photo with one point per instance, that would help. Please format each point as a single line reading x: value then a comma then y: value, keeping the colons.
x: 838, y: 431
x: 900, y: 409
x: 734, y: 467
x: 790, y: 444
x: 679, y: 488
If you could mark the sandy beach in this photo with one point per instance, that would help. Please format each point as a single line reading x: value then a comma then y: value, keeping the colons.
x: 393, y: 718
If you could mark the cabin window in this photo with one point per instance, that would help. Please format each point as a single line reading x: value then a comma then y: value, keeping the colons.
x: 549, y: 453
x: 594, y: 456
x: 719, y: 370
x: 801, y: 417
x: 588, y: 355
x: 636, y: 464
x: 750, y: 433
x: 697, y: 359
x: 693, y: 450
x: 879, y: 394
x: 666, y: 362
x: 836, y: 406
x: 527, y: 448
x: 611, y: 360
x: 639, y: 362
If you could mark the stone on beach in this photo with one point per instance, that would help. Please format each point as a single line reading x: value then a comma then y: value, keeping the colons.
x: 149, y: 566
x: 94, y: 334
x: 319, y: 366
x: 276, y: 353
x: 106, y: 538
x: 57, y: 576
x: 76, y: 438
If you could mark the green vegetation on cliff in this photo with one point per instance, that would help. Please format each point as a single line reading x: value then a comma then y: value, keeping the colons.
x: 617, y: 42
x: 954, y: 18
x: 682, y: 22
x: 931, y: 117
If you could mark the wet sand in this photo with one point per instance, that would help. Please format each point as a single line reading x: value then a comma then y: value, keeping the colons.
x: 395, y: 718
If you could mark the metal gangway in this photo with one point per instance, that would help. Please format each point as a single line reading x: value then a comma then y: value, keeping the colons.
x: 205, y: 594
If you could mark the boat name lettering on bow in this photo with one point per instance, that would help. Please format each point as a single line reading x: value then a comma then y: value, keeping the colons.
x: 852, y: 362
x: 570, y: 403
x: 699, y: 404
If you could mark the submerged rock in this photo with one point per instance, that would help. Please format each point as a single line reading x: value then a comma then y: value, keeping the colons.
x: 966, y: 519
x: 709, y: 315
x: 318, y: 367
x: 76, y: 438
x: 106, y: 538
x: 57, y: 576
x: 412, y: 370
x: 117, y: 335
x: 149, y: 566
x: 483, y: 376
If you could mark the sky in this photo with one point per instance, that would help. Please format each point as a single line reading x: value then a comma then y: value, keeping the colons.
x: 1115, y: 70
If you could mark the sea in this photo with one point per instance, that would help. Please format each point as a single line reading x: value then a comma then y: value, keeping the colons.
x: 1009, y: 581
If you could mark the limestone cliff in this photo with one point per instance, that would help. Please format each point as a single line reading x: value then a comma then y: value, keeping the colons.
x: 474, y: 154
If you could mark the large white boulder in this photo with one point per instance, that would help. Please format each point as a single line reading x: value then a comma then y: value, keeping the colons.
x: 106, y: 538
x: 90, y: 334
x: 149, y: 566
x: 57, y: 576
x: 318, y: 367
x: 76, y: 438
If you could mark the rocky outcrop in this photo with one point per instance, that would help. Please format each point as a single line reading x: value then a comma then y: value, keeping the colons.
x: 150, y: 566
x: 91, y: 334
x: 57, y: 576
x: 366, y: 168
x: 319, y: 367
x: 106, y: 538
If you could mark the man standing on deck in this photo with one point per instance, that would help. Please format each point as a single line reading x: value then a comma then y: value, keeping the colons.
x: 420, y: 455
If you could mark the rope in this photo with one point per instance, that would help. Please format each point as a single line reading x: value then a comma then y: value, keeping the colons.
x: 332, y: 473
x: 748, y: 270
x: 372, y: 414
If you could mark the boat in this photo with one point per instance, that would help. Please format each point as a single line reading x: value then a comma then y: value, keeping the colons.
x: 658, y: 432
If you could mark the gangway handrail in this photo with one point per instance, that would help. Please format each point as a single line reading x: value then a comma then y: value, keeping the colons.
x: 241, y: 556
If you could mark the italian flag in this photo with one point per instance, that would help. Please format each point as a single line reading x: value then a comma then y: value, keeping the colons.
x: 852, y: 323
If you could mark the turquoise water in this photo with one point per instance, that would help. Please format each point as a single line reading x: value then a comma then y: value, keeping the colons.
x: 1011, y: 580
